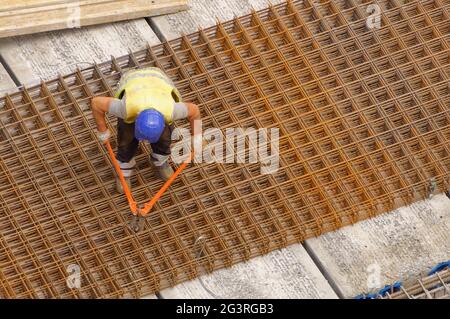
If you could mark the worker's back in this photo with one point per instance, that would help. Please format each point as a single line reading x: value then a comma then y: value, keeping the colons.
x: 146, y: 89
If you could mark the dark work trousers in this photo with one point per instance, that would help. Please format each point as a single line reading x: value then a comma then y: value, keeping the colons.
x: 128, y: 144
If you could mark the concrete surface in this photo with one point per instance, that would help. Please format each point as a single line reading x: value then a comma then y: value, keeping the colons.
x: 44, y: 55
x: 396, y: 246
x: 203, y: 14
x: 6, y: 83
x: 285, y: 273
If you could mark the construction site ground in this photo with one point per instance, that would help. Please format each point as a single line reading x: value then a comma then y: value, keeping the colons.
x: 401, y: 245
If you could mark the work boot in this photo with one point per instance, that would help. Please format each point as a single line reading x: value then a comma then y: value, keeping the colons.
x: 119, y: 186
x: 127, y: 171
x: 164, y: 171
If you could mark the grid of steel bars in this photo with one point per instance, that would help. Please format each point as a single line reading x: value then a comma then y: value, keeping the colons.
x: 436, y: 286
x: 364, y: 127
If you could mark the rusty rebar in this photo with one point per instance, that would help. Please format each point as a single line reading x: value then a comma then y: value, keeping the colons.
x: 364, y: 128
x: 435, y: 286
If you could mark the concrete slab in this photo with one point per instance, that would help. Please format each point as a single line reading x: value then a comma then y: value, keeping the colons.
x: 44, y: 55
x: 6, y: 83
x: 285, y: 273
x: 396, y: 246
x: 204, y: 14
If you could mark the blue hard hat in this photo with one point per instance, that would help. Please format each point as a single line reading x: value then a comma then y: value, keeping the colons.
x: 149, y: 126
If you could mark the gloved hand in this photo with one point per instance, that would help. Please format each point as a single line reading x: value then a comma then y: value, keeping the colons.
x: 104, y: 136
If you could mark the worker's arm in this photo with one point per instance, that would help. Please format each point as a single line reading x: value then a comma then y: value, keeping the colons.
x: 100, y: 105
x: 194, y: 118
x: 191, y: 112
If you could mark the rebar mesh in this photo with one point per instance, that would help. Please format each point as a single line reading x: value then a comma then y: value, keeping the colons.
x: 436, y: 286
x: 364, y: 128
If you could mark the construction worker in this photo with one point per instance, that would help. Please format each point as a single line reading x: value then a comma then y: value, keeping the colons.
x: 146, y: 103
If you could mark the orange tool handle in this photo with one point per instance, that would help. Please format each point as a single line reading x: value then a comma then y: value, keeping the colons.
x: 144, y: 211
x: 131, y: 201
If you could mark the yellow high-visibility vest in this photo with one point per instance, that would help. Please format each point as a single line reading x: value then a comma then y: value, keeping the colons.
x: 148, y: 89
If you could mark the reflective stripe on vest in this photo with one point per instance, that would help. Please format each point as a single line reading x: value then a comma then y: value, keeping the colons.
x: 147, y: 89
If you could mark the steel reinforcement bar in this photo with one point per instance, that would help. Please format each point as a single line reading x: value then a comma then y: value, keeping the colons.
x: 436, y: 286
x: 363, y: 115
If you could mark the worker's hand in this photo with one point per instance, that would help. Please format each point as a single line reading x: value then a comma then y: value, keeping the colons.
x: 104, y: 136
